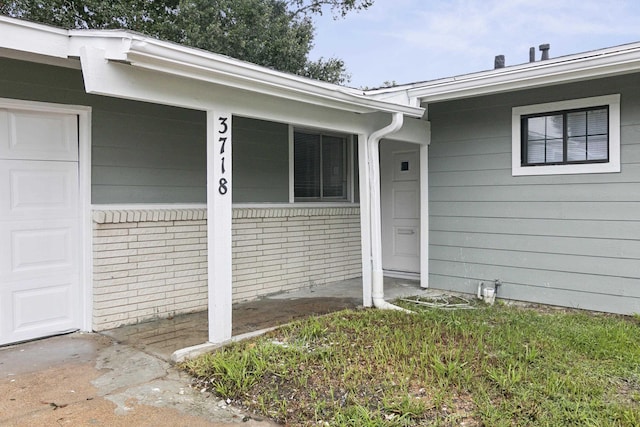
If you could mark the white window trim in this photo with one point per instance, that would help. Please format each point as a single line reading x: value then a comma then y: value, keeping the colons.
x: 350, y: 168
x: 613, y: 165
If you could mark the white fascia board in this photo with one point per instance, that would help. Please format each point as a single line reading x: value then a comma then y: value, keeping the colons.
x: 205, y: 66
x: 113, y: 43
x: 182, y: 61
x: 29, y: 37
x: 603, y: 63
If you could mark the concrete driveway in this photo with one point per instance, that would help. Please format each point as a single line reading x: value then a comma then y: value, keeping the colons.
x: 90, y: 380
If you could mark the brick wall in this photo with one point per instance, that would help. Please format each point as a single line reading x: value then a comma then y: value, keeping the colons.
x: 152, y: 263
x: 277, y: 250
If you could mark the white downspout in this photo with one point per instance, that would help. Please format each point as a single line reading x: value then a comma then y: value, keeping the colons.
x: 376, y: 222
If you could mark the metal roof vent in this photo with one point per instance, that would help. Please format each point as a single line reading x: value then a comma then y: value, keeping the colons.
x: 544, y: 48
x: 498, y: 62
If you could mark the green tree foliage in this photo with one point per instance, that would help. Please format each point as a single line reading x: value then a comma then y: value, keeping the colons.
x: 274, y: 33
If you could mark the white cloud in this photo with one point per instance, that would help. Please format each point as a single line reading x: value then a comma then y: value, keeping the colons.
x: 413, y: 40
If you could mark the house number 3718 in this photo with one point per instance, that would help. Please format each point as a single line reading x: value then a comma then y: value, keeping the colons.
x: 223, y: 132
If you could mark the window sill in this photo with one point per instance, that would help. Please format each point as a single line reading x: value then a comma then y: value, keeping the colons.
x: 565, y: 169
x: 298, y: 205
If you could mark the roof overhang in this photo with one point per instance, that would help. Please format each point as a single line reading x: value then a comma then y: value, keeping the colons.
x: 143, y: 52
x: 585, y: 66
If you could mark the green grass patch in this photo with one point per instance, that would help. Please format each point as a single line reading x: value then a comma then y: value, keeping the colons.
x: 494, y: 366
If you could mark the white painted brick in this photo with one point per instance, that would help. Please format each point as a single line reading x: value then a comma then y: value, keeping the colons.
x: 113, y: 296
x: 113, y: 239
x: 179, y: 227
x: 193, y: 222
x: 180, y: 280
x: 155, y: 250
x: 110, y: 275
x: 109, y: 233
x: 272, y: 230
x: 143, y: 259
x: 247, y: 254
x: 201, y: 248
x: 176, y: 268
x: 155, y: 224
x: 158, y: 285
x: 184, y: 242
x: 189, y: 260
x: 190, y: 272
x: 148, y: 228
x: 146, y: 271
x: 110, y: 289
x: 188, y: 307
x: 165, y: 237
x: 148, y: 244
x: 111, y: 267
x: 118, y: 302
x: 154, y: 263
x: 274, y: 250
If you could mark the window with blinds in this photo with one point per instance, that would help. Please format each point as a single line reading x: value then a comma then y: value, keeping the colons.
x: 320, y: 167
x: 566, y: 137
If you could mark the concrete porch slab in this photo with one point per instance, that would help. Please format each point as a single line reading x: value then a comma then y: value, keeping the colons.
x: 163, y: 337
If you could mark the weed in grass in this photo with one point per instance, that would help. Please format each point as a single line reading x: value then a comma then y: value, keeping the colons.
x: 406, y: 407
x: 506, y: 377
x: 312, y: 330
x: 448, y: 366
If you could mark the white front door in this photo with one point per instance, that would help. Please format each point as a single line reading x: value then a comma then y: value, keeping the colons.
x: 400, y: 204
x: 39, y: 224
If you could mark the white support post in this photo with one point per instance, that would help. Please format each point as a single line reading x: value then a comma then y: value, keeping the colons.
x: 424, y: 215
x: 219, y: 216
x: 365, y: 219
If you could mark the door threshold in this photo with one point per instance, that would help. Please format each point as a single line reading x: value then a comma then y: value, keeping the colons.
x: 408, y: 275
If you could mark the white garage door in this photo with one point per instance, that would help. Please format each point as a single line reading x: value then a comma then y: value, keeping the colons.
x: 39, y: 224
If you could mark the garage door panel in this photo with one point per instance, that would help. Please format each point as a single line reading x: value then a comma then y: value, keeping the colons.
x: 36, y: 248
x: 41, y: 307
x: 39, y: 224
x: 38, y: 189
x: 38, y: 135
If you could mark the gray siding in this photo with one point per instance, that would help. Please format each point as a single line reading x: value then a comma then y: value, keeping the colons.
x: 571, y: 240
x: 260, y: 161
x: 148, y: 153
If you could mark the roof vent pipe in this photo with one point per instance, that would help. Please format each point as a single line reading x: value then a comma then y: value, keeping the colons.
x: 498, y: 62
x: 544, y: 48
x: 532, y: 54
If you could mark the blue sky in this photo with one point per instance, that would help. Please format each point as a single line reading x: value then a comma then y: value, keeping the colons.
x: 415, y: 40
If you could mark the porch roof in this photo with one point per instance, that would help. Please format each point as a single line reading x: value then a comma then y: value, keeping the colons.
x: 28, y: 40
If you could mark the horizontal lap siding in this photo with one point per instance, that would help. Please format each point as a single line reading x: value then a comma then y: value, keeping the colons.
x: 260, y: 161
x: 141, y: 152
x: 149, y: 153
x: 571, y: 240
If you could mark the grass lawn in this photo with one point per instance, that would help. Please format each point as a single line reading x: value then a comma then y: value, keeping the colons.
x: 491, y: 366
